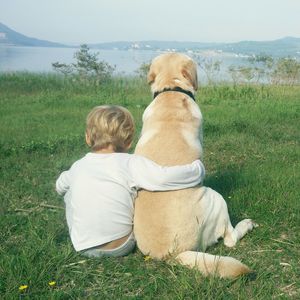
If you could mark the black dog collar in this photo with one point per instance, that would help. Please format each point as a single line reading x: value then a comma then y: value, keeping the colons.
x: 175, y: 89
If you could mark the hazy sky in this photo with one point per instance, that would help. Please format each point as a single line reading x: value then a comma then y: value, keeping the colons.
x: 92, y: 21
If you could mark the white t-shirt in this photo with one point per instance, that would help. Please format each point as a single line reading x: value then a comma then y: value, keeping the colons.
x: 100, y: 190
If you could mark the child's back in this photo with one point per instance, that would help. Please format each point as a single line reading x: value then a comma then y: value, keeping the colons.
x: 101, y: 187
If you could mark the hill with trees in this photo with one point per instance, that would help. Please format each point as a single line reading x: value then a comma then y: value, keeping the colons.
x: 288, y: 46
x: 13, y: 38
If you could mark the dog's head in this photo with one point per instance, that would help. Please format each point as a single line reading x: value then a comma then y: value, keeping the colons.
x: 171, y: 70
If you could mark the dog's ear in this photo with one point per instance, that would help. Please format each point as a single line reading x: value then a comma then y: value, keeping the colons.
x: 189, y: 72
x: 151, y: 76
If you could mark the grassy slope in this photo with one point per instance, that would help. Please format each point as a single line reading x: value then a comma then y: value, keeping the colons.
x: 251, y: 155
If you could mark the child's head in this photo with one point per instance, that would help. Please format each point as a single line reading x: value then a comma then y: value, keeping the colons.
x: 109, y: 125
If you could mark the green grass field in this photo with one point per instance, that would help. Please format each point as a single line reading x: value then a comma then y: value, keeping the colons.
x: 251, y: 146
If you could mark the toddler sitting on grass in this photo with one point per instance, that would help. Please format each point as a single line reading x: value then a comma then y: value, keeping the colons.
x: 100, y: 188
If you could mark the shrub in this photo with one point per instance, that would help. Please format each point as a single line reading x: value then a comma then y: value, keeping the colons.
x: 87, y: 67
x: 143, y: 70
x: 286, y: 71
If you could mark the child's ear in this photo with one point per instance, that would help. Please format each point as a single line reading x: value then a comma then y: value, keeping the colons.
x: 88, y: 139
x: 128, y: 146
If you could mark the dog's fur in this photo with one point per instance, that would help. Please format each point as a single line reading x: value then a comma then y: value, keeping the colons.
x: 175, y: 224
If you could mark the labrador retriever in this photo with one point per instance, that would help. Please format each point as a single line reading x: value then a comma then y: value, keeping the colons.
x: 181, y: 224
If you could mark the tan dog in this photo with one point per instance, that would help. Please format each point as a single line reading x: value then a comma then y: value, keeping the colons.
x: 169, y: 224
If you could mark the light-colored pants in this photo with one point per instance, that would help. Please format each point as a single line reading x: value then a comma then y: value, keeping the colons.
x: 122, y: 250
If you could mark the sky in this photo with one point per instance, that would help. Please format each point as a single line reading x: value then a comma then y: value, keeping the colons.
x: 96, y: 21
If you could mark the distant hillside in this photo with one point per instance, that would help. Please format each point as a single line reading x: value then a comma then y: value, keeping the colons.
x: 11, y: 37
x: 288, y: 46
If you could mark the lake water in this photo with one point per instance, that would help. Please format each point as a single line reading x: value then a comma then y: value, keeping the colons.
x: 40, y: 59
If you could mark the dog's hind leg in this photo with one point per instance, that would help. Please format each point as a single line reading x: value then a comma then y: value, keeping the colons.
x: 217, y: 223
x: 233, y: 235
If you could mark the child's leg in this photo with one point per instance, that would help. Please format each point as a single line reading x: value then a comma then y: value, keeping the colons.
x: 122, y: 250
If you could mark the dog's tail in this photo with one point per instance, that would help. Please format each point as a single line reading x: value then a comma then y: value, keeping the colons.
x: 208, y: 264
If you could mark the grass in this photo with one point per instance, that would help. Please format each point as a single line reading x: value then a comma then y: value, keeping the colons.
x: 251, y: 136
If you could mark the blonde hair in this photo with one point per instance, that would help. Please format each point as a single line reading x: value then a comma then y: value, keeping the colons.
x: 110, y: 125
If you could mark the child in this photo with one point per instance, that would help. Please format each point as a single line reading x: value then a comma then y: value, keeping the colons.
x: 101, y: 187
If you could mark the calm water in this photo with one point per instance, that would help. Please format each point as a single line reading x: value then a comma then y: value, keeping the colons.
x: 40, y: 59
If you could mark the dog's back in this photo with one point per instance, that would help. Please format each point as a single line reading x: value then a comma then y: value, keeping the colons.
x: 170, y: 136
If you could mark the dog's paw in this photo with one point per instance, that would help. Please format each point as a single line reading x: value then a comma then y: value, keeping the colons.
x: 250, y: 224
x: 230, y: 241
